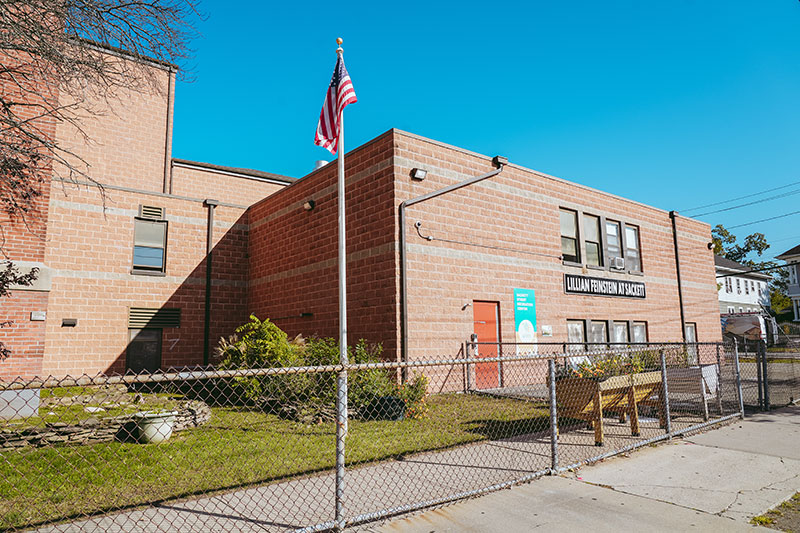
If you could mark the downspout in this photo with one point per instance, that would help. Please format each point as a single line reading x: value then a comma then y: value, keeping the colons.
x: 211, y: 204
x: 499, y: 162
x: 673, y: 215
x: 167, y: 188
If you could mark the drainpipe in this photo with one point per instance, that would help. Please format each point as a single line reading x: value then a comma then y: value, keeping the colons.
x: 167, y: 189
x: 673, y: 215
x: 211, y: 204
x: 498, y: 161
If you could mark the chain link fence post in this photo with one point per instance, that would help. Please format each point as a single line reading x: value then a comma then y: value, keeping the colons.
x: 341, y: 434
x: 719, y: 381
x: 738, y: 376
x: 759, y: 376
x: 762, y: 350
x: 551, y: 363
x: 470, y: 345
x: 665, y: 394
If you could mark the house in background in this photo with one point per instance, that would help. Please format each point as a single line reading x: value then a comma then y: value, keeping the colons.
x: 741, y: 291
x: 792, y: 258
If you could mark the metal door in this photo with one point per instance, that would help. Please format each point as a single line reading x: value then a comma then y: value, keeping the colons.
x: 486, y: 316
x: 144, y: 350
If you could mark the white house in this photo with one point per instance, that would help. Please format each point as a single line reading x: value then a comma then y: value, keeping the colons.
x: 741, y: 291
x: 792, y: 258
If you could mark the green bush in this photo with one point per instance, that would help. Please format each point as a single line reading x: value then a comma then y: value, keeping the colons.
x: 308, y: 396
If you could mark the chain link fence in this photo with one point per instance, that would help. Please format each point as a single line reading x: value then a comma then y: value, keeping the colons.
x: 256, y: 450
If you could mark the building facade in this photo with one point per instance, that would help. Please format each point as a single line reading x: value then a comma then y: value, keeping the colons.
x: 792, y: 259
x: 520, y: 256
x: 122, y: 279
x: 741, y: 291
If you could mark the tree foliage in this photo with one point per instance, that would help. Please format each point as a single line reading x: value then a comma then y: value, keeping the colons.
x: 725, y: 245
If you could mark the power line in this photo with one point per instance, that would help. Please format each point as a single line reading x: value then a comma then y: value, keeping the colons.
x: 784, y: 195
x: 764, y: 220
x: 787, y: 239
x: 751, y: 271
x: 741, y: 197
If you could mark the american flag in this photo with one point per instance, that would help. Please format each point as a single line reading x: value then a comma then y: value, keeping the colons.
x: 340, y: 94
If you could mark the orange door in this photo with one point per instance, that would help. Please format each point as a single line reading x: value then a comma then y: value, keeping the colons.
x: 487, y: 328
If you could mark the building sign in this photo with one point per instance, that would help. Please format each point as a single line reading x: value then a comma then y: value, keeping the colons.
x: 574, y: 284
x: 525, y: 316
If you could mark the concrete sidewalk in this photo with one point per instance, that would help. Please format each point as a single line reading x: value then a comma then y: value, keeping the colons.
x: 715, y: 481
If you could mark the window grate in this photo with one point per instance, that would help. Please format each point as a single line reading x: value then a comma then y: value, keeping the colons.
x: 151, y: 212
x: 144, y: 317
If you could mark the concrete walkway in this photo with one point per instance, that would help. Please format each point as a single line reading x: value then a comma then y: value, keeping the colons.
x: 715, y: 481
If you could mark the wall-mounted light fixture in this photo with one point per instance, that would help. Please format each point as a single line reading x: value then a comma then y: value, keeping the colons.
x: 711, y: 246
x: 309, y: 205
x: 418, y: 174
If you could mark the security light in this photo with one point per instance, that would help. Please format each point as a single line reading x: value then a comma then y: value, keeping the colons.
x: 419, y: 174
x: 309, y: 205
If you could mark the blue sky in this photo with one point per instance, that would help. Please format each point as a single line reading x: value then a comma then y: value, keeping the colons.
x: 675, y: 104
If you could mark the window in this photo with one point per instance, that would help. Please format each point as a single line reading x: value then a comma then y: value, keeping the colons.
x: 639, y: 331
x: 610, y: 244
x: 613, y: 242
x: 619, y: 332
x: 738, y: 286
x: 792, y: 273
x: 591, y: 232
x: 575, y: 335
x: 741, y: 309
x: 746, y: 287
x: 149, y: 245
x: 731, y: 309
x: 728, y: 285
x: 569, y: 236
x: 633, y: 260
x: 598, y: 333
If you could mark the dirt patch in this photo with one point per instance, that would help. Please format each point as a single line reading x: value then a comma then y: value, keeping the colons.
x: 785, y: 517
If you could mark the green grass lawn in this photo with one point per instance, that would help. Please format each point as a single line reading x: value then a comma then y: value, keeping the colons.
x: 237, y: 448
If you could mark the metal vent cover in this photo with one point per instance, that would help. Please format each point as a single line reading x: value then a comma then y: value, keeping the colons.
x: 145, y: 317
x: 151, y: 212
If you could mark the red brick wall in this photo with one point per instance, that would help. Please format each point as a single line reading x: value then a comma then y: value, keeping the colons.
x: 89, y: 246
x: 293, y: 252
x: 24, y: 337
x: 23, y: 239
x: 518, y: 211
x: 509, y: 234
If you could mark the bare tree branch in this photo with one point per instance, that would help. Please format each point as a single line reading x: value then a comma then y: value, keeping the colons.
x: 62, y: 61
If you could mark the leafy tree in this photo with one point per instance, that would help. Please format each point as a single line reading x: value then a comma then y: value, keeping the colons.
x: 726, y: 246
x: 56, y: 58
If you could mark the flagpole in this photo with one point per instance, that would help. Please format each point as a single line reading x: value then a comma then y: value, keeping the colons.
x: 341, y: 426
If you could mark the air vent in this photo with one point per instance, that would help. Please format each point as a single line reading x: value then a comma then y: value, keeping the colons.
x: 153, y: 213
x: 144, y: 317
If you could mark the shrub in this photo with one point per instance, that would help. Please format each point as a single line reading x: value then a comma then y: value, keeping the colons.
x: 309, y: 396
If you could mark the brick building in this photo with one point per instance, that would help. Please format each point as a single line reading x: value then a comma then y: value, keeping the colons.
x: 598, y: 267
x: 122, y: 273
x: 124, y: 282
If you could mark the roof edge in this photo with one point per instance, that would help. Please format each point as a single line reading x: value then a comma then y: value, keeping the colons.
x: 246, y: 173
x: 540, y: 174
